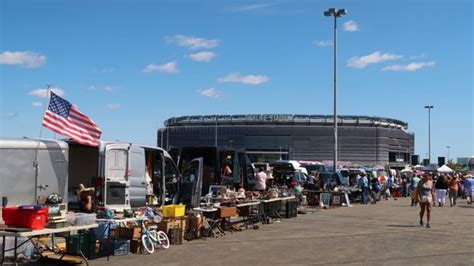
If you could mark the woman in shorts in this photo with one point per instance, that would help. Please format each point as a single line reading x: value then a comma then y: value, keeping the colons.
x: 425, y: 192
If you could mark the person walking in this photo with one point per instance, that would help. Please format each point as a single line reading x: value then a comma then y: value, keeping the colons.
x: 441, y: 189
x: 363, y: 184
x: 453, y: 190
x: 413, y: 185
x: 469, y: 188
x: 425, y: 192
x: 391, y: 186
x: 404, y: 185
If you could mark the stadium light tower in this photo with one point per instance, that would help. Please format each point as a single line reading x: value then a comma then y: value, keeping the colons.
x: 336, y: 13
x: 429, y: 107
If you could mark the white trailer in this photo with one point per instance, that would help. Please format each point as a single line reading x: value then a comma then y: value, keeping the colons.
x: 21, y: 182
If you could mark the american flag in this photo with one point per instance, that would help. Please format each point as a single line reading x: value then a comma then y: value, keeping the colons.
x: 64, y: 118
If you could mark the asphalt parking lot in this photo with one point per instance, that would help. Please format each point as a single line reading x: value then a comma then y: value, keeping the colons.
x: 387, y: 233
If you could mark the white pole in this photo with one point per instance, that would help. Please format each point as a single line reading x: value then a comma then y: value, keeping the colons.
x: 35, y: 162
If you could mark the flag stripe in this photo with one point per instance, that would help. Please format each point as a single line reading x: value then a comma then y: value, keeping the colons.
x: 79, y: 130
x: 57, y: 122
x: 83, y: 124
x: 80, y: 115
x: 60, y: 130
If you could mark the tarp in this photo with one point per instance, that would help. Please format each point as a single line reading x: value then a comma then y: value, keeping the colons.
x: 445, y: 169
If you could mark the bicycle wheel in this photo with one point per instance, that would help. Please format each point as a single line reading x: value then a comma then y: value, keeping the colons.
x: 163, y: 240
x: 148, y: 244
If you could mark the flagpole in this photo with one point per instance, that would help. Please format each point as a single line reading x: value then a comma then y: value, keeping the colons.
x: 35, y: 163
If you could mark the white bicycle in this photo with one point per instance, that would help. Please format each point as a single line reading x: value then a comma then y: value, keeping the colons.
x: 151, y: 237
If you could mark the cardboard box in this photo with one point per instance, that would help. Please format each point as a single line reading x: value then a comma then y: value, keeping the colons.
x: 167, y: 223
x: 226, y: 212
x: 130, y: 232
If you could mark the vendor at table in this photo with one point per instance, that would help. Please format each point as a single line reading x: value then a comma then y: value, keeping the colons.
x: 260, y: 180
x: 85, y: 198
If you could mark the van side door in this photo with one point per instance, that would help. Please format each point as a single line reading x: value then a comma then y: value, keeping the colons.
x: 136, y: 176
x: 116, y: 186
x: 191, y: 183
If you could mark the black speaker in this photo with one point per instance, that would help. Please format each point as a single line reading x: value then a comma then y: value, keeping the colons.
x: 441, y: 161
x: 415, y: 159
x: 426, y: 162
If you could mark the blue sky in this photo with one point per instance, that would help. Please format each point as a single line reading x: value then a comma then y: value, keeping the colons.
x: 129, y: 65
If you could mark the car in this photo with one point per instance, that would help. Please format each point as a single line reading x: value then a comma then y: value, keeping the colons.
x: 289, y: 173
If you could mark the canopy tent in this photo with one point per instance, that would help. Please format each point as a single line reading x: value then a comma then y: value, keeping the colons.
x: 445, y: 169
x: 418, y: 166
x: 428, y: 169
x: 378, y: 167
x: 407, y: 170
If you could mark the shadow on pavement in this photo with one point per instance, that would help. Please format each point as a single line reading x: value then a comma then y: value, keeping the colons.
x: 469, y: 207
x: 402, y: 225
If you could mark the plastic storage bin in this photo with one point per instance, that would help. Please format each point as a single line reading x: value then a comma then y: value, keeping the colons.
x: 173, y: 210
x: 32, y: 218
x: 115, y: 247
x: 10, y: 215
x: 81, y: 218
x: 85, y: 243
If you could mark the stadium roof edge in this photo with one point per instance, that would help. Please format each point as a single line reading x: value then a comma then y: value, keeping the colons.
x: 283, y: 119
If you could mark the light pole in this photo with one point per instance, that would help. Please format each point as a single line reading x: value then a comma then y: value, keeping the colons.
x: 336, y: 13
x: 215, y: 136
x: 429, y: 107
x: 448, y: 147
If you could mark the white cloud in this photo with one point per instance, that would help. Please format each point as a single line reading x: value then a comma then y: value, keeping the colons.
x: 150, y: 68
x: 113, y: 106
x: 109, y: 88
x: 170, y: 67
x: 351, y: 26
x: 417, y: 56
x: 43, y: 93
x: 249, y: 79
x: 25, y: 59
x: 323, y: 43
x: 254, y: 7
x: 410, y: 67
x: 107, y: 70
x: 9, y: 115
x: 373, y: 58
x: 37, y: 104
x: 211, y: 93
x: 205, y: 56
x: 193, y: 42
x: 92, y: 88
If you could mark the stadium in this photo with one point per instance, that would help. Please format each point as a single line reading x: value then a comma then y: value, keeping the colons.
x: 362, y: 140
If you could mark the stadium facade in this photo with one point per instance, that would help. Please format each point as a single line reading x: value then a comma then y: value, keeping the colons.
x: 361, y: 139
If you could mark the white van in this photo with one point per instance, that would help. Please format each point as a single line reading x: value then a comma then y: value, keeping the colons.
x: 119, y: 173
